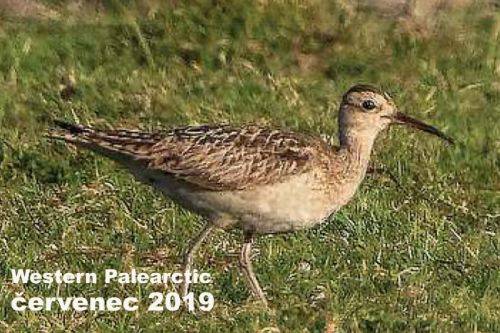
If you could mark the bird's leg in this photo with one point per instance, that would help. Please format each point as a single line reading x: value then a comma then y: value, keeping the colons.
x: 194, y: 245
x: 247, y: 268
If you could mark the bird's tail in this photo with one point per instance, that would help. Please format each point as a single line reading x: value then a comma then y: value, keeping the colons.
x: 68, y: 132
x: 116, y: 144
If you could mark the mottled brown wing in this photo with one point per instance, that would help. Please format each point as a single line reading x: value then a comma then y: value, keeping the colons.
x: 224, y: 157
x: 216, y: 157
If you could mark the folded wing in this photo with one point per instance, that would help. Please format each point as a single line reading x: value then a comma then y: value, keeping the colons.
x: 215, y: 157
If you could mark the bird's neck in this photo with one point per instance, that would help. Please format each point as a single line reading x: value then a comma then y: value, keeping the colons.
x: 350, y: 165
x: 357, y: 147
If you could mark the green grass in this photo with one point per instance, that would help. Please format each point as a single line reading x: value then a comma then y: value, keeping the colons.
x: 422, y: 257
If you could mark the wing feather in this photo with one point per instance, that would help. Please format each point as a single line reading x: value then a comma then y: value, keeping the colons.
x: 215, y: 157
x: 228, y: 158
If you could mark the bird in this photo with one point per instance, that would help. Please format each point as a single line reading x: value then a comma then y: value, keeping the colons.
x: 260, y: 179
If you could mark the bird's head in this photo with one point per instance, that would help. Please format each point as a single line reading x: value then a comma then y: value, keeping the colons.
x: 366, y: 110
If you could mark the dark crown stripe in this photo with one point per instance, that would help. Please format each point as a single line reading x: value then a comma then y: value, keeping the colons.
x: 363, y: 88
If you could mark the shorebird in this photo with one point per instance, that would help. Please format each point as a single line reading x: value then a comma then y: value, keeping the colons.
x: 259, y: 179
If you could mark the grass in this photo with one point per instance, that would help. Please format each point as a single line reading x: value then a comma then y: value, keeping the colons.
x: 419, y: 257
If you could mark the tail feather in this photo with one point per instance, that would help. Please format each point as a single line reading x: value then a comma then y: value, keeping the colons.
x: 71, y: 128
x: 115, y: 144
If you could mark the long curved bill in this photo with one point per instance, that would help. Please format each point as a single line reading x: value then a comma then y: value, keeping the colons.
x: 402, y: 119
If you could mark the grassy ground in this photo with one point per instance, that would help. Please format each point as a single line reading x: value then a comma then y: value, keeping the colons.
x: 422, y: 257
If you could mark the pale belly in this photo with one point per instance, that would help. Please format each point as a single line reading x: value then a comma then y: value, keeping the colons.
x: 299, y: 203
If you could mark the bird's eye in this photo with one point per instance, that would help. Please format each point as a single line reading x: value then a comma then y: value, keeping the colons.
x: 368, y: 104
